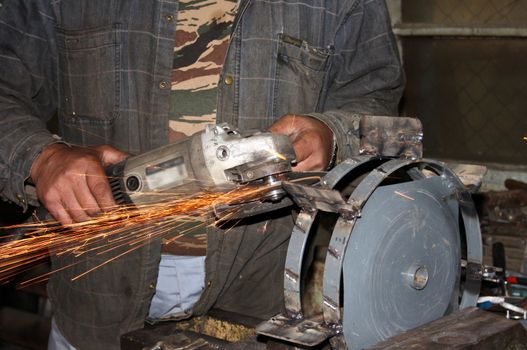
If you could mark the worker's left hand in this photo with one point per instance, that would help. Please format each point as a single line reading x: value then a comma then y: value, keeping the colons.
x: 311, y: 138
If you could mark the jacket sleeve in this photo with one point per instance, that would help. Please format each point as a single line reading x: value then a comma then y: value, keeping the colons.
x: 365, y: 77
x: 27, y: 92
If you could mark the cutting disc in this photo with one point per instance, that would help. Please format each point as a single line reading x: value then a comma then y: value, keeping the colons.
x: 268, y: 196
x: 402, y: 262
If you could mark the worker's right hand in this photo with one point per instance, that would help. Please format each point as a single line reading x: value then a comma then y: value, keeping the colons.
x: 71, y: 183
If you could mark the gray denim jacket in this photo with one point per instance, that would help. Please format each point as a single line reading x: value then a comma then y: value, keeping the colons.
x: 103, y: 67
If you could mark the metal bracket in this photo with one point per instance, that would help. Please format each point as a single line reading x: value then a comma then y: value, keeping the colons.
x: 313, y: 198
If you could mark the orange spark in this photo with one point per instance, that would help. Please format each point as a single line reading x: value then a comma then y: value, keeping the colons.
x: 276, y: 154
x: 403, y: 195
x: 121, y: 230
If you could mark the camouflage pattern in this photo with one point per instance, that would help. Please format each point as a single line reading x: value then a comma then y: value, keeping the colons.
x: 202, y: 37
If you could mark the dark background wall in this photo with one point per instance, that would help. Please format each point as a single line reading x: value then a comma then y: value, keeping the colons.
x: 470, y: 91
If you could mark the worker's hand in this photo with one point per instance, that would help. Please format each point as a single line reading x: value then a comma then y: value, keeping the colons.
x: 71, y: 183
x: 311, y: 138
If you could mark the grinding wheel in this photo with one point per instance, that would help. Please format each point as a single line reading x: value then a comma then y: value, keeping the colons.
x: 402, y: 261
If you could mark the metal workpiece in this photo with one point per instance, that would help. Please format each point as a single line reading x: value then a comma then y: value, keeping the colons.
x: 392, y: 137
x: 312, y: 198
x: 394, y: 258
x: 305, y: 332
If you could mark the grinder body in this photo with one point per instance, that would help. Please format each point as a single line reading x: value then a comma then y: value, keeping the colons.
x: 218, y: 158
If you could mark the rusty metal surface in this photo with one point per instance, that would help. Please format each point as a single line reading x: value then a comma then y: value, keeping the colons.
x: 391, y: 137
x: 312, y: 198
x: 305, y: 332
x: 470, y: 328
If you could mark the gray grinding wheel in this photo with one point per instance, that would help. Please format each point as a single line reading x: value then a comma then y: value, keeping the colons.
x: 402, y: 262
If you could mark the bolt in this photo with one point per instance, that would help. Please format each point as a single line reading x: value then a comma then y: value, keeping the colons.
x: 417, y: 277
x: 132, y: 183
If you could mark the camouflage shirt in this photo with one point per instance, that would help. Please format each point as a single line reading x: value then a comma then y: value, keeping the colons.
x: 202, y: 36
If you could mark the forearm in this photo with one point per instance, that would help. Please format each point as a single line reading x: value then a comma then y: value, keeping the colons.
x: 27, y: 92
x: 23, y: 137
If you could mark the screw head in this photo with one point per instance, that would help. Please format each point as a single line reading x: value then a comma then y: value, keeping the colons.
x: 132, y: 183
x: 222, y: 153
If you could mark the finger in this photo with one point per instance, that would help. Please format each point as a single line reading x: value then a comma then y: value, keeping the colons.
x: 74, y: 209
x: 51, y: 200
x: 59, y: 213
x: 306, y: 163
x: 310, y: 152
x: 86, y: 199
x: 302, y: 148
x: 109, y: 155
x: 100, y: 189
x: 309, y: 164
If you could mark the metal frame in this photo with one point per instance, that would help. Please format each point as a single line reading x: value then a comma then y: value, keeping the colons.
x: 290, y: 326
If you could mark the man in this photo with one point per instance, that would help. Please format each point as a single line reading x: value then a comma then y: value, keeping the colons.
x: 115, y: 72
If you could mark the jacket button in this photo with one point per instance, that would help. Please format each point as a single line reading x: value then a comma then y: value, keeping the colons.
x: 151, y: 286
x: 228, y: 80
x: 169, y: 18
x: 209, y: 283
x: 163, y: 85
